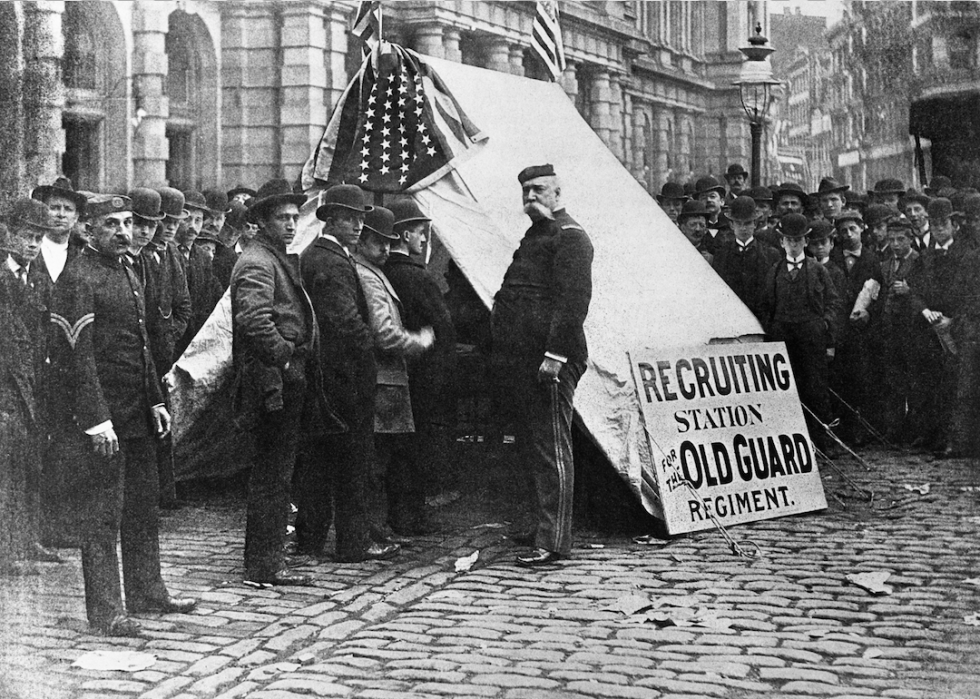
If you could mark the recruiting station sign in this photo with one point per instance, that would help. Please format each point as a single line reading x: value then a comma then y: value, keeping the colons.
x: 726, y: 420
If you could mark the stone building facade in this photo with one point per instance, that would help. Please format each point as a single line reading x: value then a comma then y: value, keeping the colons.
x: 198, y: 93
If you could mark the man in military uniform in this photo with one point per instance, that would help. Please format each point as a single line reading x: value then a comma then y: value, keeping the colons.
x: 110, y: 410
x: 540, y: 351
x: 66, y: 207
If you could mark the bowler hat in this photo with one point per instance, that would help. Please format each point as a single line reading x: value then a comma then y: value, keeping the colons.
x: 104, y: 204
x: 672, y: 190
x: 535, y: 171
x: 761, y: 194
x: 821, y: 229
x: 61, y: 187
x: 792, y: 226
x: 709, y: 184
x: 691, y: 209
x: 876, y: 213
x: 381, y: 221
x: 240, y: 189
x: 913, y: 195
x: 342, y: 196
x: 791, y: 189
x: 31, y: 213
x: 172, y: 202
x: 938, y: 183
x: 742, y: 209
x: 195, y: 200
x: 208, y: 234
x: 940, y: 208
x: 889, y: 185
x: 828, y: 185
x: 270, y: 194
x: 735, y: 169
x: 406, y: 211
x: 237, y: 215
x: 217, y: 201
x: 146, y: 203
x: 849, y: 215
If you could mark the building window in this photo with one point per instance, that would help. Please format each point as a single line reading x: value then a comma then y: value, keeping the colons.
x: 82, y: 159
x: 962, y: 51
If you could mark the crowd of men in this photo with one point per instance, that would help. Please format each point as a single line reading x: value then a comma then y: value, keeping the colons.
x: 876, y: 295
x: 344, y: 365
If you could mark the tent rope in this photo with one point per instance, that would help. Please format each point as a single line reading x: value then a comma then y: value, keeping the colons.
x: 829, y: 431
x: 864, y: 422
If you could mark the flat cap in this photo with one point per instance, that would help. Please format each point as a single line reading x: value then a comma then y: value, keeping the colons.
x: 103, y: 204
x: 534, y: 171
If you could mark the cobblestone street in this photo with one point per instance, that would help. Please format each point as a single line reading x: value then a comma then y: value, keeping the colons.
x: 417, y: 627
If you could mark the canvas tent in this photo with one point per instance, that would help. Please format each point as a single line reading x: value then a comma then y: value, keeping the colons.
x: 651, y: 287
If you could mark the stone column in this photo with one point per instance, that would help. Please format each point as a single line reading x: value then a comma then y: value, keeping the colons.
x: 303, y: 81
x: 428, y: 39
x: 617, y: 137
x: 337, y: 21
x: 661, y: 169
x: 151, y: 150
x: 11, y: 108
x: 498, y: 55
x: 44, y: 92
x: 517, y: 59
x: 684, y: 164
x: 450, y: 44
x: 569, y: 81
x: 605, y: 108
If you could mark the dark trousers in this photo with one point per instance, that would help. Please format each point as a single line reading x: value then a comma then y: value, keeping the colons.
x: 165, y: 469
x: 933, y: 388
x: 896, y: 386
x: 851, y: 379
x: 806, y: 344
x: 138, y: 531
x: 20, y: 487
x: 400, y: 479
x: 276, y: 442
x: 966, y: 409
x: 544, y: 413
x: 333, y: 485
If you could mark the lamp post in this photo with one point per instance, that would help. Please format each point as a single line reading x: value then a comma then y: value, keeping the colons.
x: 755, y: 85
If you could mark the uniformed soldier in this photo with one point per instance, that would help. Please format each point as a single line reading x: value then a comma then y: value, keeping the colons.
x: 109, y: 412
x: 540, y: 350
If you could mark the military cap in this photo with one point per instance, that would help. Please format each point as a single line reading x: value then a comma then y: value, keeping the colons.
x: 240, y: 189
x: 742, y: 209
x: 940, y: 208
x: 889, y: 186
x: 913, y: 195
x: 791, y: 189
x: 270, y: 194
x: 709, y: 184
x: 672, y: 190
x: 821, y: 229
x: 146, y: 203
x: 237, y: 215
x: 876, y: 213
x: 535, y: 171
x: 31, y: 213
x: 61, y: 187
x: 172, y: 202
x: 761, y: 194
x: 691, y: 209
x: 381, y: 221
x: 406, y: 211
x: 217, y: 201
x: 735, y: 169
x: 849, y: 215
x: 104, y: 204
x: 829, y: 185
x: 342, y: 196
x: 195, y: 200
x: 792, y: 226
x: 937, y: 184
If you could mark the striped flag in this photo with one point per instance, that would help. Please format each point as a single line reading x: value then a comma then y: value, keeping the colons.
x: 395, y: 129
x: 367, y: 23
x: 546, y: 37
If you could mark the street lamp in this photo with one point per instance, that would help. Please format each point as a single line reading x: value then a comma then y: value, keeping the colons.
x: 755, y: 85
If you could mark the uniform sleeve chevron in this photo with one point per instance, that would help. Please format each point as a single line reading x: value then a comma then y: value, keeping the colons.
x: 72, y: 332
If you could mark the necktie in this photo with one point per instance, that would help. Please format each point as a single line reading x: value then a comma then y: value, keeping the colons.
x: 794, y: 269
x: 22, y: 275
x: 895, y: 265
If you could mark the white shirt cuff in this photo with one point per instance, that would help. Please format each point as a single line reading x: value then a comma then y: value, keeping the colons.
x: 556, y: 357
x: 99, y: 429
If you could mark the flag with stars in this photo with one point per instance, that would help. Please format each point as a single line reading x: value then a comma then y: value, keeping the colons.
x: 396, y: 128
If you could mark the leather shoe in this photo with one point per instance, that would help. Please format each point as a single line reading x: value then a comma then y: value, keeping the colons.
x: 120, y: 625
x: 298, y: 560
x: 382, y: 552
x: 44, y: 555
x: 285, y: 577
x: 170, y: 605
x: 538, y: 557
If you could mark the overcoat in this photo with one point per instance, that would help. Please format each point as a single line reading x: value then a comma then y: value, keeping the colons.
x: 168, y: 302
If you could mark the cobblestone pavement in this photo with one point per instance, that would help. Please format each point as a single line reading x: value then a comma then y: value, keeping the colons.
x: 416, y: 627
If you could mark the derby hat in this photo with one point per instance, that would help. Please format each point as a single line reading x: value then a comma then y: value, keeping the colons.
x: 30, y: 213
x: 829, y: 185
x: 742, y: 209
x: 939, y: 208
x: 691, y: 209
x: 146, y: 203
x: 709, y: 184
x: 172, y: 202
x: 876, y: 213
x: 217, y: 201
x: 61, y: 187
x: 208, y: 235
x: 820, y: 229
x: 105, y: 204
x: 406, y: 211
x: 381, y: 221
x: 672, y: 190
x: 791, y: 189
x: 761, y: 194
x: 735, y: 169
x: 889, y: 186
x: 937, y: 184
x: 792, y: 226
x: 535, y: 171
x: 271, y: 194
x: 240, y: 189
x: 195, y: 200
x: 342, y: 196
x: 913, y: 195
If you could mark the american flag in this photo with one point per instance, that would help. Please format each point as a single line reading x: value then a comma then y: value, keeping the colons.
x: 396, y: 128
x: 367, y: 24
x: 546, y: 37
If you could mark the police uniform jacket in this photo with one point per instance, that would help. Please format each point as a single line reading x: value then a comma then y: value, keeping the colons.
x: 168, y: 303
x: 544, y: 299
x: 822, y: 297
x: 745, y: 272
x: 346, y: 354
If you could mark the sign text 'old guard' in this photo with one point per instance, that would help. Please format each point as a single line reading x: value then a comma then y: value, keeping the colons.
x: 727, y: 420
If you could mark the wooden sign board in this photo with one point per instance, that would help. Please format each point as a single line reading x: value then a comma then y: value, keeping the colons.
x: 727, y: 434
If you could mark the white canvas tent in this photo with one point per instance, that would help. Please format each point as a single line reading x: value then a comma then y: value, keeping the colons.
x: 651, y: 287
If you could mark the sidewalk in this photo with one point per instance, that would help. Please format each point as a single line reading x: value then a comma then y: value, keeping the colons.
x: 789, y: 624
